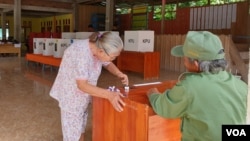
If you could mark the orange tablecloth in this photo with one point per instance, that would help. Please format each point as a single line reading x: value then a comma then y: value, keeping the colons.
x: 47, y: 60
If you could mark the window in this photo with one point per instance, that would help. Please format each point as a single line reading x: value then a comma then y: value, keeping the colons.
x: 170, y: 12
x: 193, y: 3
x: 140, y: 17
x: 217, y: 2
x: 205, y: 2
x: 123, y: 10
x: 1, y: 33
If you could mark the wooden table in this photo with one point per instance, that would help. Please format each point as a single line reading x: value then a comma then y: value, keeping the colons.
x: 137, y: 122
x: 147, y: 63
x: 9, y: 48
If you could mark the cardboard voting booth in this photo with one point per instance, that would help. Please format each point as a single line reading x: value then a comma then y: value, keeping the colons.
x: 115, y: 32
x: 83, y: 35
x: 142, y: 41
x: 38, y: 45
x: 48, y: 46
x: 68, y: 35
x: 60, y: 46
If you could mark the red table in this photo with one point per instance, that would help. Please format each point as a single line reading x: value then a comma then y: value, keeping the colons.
x: 147, y: 63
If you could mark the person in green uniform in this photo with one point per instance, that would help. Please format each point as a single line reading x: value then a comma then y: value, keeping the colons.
x: 206, y: 96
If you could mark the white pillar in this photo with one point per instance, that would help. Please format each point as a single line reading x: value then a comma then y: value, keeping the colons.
x: 109, y: 15
x: 75, y: 16
x: 17, y: 20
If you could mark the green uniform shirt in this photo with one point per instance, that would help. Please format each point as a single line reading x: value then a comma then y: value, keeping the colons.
x: 204, y: 102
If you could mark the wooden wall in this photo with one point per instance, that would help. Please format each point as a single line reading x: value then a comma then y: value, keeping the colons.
x: 221, y: 23
x: 242, y: 23
x: 125, y: 23
x: 164, y: 44
x: 241, y: 28
x: 178, y: 26
x: 85, y: 12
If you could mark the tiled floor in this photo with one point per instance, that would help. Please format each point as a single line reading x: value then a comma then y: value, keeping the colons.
x: 27, y: 112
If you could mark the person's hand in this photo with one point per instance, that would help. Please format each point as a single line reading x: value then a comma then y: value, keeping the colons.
x: 124, y: 78
x: 151, y: 91
x: 116, y: 101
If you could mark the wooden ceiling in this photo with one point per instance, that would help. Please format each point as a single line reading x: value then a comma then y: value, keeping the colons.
x: 45, y: 8
x: 128, y: 2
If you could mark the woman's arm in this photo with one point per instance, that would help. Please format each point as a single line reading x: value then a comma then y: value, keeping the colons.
x: 113, y: 97
x: 115, y: 71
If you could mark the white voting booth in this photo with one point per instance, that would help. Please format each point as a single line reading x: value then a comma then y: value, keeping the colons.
x: 60, y: 46
x: 38, y: 45
x: 48, y: 48
x: 56, y: 46
x: 68, y: 35
x: 83, y: 35
x: 115, y: 32
x: 141, y: 41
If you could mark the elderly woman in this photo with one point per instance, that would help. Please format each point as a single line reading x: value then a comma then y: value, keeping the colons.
x: 77, y: 78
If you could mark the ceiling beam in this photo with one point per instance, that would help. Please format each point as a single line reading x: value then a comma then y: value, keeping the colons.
x: 46, y: 9
x: 6, y: 6
x: 88, y: 1
x: 83, y: 1
x: 68, y: 1
x: 8, y: 10
x: 37, y: 14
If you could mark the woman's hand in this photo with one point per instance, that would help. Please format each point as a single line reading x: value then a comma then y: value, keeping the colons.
x: 124, y: 78
x: 115, y: 71
x: 116, y: 100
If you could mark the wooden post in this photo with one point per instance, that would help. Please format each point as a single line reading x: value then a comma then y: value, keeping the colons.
x: 109, y: 15
x: 17, y: 20
x: 235, y: 56
x: 162, y: 14
x: 248, y: 98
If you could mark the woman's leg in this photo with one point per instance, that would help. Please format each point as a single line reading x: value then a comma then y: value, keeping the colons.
x: 84, y: 123
x: 71, y: 126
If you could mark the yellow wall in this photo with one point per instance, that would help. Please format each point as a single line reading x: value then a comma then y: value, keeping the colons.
x: 35, y: 24
x: 85, y: 13
x: 53, y: 21
x: 64, y: 18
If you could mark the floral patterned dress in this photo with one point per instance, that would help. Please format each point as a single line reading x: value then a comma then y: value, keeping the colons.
x: 78, y: 63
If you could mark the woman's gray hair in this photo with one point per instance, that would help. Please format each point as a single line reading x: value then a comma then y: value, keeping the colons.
x: 213, y: 66
x: 108, y: 41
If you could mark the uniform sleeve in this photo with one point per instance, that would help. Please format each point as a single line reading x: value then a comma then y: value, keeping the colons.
x: 170, y: 104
